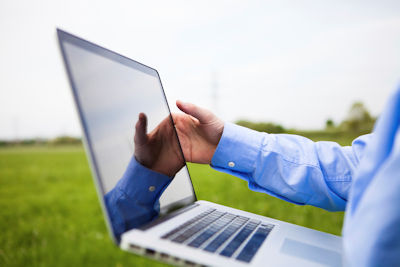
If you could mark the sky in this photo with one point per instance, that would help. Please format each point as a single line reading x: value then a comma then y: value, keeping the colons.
x: 296, y: 63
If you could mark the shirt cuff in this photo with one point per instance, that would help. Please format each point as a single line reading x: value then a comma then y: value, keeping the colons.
x: 141, y: 184
x: 238, y: 149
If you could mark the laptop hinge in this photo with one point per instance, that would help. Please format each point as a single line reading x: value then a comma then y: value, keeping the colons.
x: 167, y: 217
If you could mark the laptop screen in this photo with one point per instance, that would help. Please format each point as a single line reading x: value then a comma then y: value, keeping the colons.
x: 110, y: 92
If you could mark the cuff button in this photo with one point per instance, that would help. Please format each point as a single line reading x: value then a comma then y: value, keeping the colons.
x: 231, y: 164
x: 152, y: 188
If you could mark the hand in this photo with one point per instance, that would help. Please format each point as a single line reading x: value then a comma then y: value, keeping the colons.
x: 199, y: 132
x: 158, y: 150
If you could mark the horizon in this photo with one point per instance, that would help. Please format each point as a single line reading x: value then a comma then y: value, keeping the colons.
x: 270, y: 61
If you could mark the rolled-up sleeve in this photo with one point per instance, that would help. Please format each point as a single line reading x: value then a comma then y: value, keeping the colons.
x: 290, y: 167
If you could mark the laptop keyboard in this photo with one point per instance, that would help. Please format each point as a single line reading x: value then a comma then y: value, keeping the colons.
x: 222, y: 233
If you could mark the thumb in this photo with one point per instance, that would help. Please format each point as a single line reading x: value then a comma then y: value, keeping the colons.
x: 141, y: 130
x: 202, y: 114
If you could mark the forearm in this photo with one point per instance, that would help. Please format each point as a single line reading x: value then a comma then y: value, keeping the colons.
x: 290, y: 167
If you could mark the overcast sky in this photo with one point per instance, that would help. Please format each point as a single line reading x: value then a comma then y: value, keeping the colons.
x: 292, y: 62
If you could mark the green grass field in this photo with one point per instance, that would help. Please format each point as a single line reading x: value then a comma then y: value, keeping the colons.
x: 50, y: 215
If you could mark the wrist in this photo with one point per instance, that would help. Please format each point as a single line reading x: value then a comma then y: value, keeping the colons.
x: 168, y: 170
x: 238, y: 148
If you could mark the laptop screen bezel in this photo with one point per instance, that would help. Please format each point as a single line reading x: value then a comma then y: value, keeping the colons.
x: 65, y: 37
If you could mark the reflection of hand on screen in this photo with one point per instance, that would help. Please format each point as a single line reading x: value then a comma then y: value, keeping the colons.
x: 159, y: 149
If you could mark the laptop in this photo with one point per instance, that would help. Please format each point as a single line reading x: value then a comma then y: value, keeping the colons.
x: 110, y: 91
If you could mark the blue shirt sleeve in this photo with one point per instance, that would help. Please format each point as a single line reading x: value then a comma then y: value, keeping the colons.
x: 290, y: 167
x: 371, y: 231
x: 363, y: 178
x: 134, y: 200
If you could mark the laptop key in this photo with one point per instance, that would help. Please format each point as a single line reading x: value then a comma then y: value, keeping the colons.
x: 182, y: 226
x: 255, y: 242
x: 228, y: 232
x: 196, y: 228
x: 239, y: 239
x: 211, y: 231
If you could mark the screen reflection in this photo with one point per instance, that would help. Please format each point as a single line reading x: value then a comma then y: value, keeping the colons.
x: 133, y: 146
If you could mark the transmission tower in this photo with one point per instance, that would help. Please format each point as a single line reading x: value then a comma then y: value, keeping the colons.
x: 214, y: 92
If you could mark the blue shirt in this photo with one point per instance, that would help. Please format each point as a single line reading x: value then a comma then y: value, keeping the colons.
x: 363, y: 179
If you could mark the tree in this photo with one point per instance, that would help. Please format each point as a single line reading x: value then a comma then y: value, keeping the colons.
x: 358, y: 120
x: 329, y: 124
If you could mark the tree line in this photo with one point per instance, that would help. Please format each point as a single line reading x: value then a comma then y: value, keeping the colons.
x: 357, y: 122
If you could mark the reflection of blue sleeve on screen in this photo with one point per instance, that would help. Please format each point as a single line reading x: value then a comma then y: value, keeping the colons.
x: 134, y: 200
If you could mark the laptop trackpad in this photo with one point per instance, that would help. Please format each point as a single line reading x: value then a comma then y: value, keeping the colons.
x: 312, y: 253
